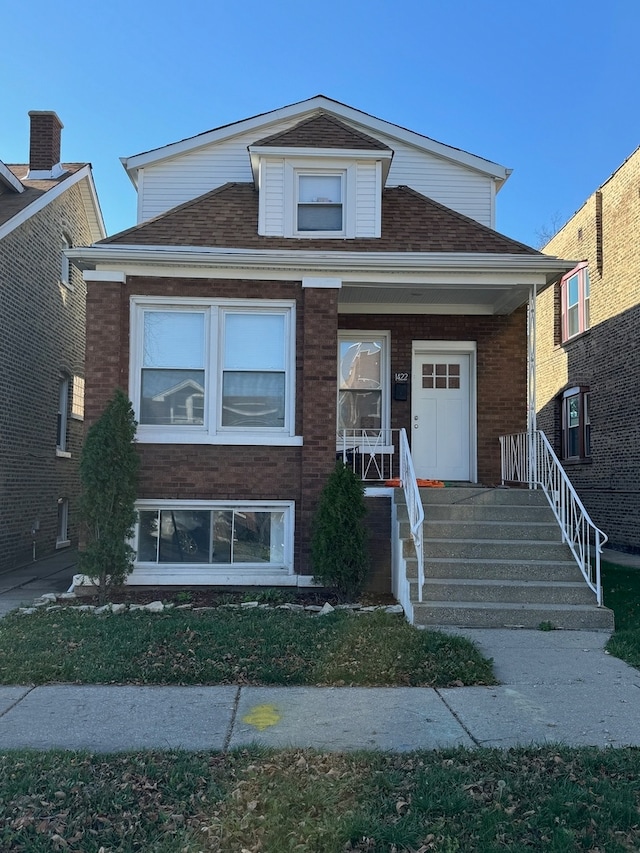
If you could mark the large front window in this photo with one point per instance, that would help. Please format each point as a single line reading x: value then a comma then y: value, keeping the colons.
x: 203, y: 370
x: 362, y: 382
x: 219, y: 535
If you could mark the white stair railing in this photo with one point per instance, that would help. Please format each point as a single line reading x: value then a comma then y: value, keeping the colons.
x: 534, y: 463
x: 415, y: 509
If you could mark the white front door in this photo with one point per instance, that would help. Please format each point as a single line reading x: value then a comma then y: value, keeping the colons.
x: 441, y: 413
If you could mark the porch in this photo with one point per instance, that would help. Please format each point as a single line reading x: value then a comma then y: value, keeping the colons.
x: 520, y: 554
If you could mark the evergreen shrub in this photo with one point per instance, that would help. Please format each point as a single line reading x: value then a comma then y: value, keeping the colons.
x: 338, y: 545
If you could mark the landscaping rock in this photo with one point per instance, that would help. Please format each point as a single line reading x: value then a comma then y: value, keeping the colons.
x: 118, y: 608
x: 326, y: 608
x: 249, y: 604
x: 154, y: 607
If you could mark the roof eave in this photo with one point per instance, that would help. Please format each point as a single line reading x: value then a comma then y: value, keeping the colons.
x: 299, y: 110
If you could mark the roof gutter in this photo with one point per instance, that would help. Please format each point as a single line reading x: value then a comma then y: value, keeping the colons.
x: 117, y: 256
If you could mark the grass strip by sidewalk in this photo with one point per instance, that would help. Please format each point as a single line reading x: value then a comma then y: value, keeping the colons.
x: 485, y: 801
x: 621, y: 592
x: 275, y: 647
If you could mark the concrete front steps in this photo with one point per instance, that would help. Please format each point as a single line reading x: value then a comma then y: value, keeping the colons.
x: 495, y: 558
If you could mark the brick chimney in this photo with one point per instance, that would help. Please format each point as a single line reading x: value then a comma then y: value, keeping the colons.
x: 44, y: 147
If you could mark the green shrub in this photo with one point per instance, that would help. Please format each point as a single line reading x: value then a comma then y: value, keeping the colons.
x: 338, y: 544
x: 109, y: 475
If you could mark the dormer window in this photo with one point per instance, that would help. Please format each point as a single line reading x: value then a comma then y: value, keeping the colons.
x: 320, y: 205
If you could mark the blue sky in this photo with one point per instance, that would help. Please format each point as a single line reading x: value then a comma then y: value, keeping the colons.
x: 548, y: 88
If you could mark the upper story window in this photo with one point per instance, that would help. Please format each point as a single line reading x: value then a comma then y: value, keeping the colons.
x: 576, y: 424
x: 204, y: 371
x: 62, y: 418
x: 575, y: 293
x: 65, y: 268
x: 320, y: 202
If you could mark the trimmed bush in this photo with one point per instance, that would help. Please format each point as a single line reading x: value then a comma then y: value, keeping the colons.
x: 109, y: 475
x: 338, y: 545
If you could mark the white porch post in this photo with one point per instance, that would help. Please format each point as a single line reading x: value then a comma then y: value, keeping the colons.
x: 531, y: 388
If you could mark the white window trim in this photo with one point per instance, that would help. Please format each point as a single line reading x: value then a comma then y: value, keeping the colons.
x: 332, y: 173
x: 194, y: 573
x: 212, y: 432
x: 295, y: 167
x: 581, y: 271
x: 385, y: 369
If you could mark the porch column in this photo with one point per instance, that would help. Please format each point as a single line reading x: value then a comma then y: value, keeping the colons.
x: 319, y: 366
x: 531, y: 388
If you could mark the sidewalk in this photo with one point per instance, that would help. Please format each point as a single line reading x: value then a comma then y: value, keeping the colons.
x: 23, y: 585
x: 557, y: 686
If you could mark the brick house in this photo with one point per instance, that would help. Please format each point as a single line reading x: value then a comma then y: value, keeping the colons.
x: 588, y: 364
x: 45, y: 207
x: 300, y: 284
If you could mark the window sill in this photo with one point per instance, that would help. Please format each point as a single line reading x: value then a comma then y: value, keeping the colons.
x: 67, y: 285
x: 574, y: 338
x: 62, y: 454
x: 63, y: 544
x: 570, y: 463
x: 264, y: 440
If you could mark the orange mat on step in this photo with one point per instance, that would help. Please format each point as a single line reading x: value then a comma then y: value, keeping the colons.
x: 423, y: 484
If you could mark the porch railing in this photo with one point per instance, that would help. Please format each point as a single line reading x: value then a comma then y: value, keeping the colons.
x: 370, y: 453
x: 529, y: 458
x: 415, y: 509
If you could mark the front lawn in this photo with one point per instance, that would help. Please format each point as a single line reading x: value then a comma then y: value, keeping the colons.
x: 256, y: 801
x: 621, y: 592
x: 276, y: 647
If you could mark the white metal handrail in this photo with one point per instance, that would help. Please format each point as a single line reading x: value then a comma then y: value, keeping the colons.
x: 415, y: 509
x: 530, y: 459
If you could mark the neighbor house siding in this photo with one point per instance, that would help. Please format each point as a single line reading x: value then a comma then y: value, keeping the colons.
x: 42, y: 338
x: 605, y: 358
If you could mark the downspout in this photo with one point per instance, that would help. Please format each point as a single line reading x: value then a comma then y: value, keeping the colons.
x: 531, y: 388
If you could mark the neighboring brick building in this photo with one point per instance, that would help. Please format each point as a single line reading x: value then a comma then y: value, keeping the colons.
x: 588, y: 363
x: 306, y: 272
x: 45, y: 207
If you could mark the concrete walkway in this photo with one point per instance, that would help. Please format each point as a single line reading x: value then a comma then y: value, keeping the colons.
x: 556, y: 686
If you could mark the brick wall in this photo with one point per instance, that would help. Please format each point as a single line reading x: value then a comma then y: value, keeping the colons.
x: 217, y: 471
x: 221, y: 472
x: 42, y: 336
x: 605, y: 358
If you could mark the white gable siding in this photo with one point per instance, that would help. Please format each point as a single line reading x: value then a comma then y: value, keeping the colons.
x: 367, y: 200
x: 272, y: 198
x: 457, y: 187
x: 187, y: 176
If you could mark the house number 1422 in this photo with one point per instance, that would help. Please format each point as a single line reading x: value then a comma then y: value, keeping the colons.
x: 401, y: 377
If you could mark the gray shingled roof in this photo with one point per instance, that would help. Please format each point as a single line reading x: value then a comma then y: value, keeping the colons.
x: 12, y: 203
x: 323, y: 131
x: 227, y: 217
